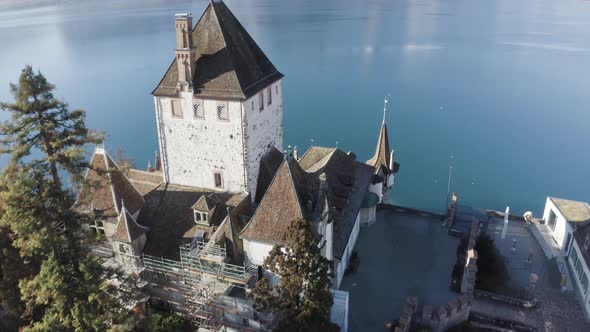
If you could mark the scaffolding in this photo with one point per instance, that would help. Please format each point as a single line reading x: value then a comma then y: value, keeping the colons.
x: 206, y: 281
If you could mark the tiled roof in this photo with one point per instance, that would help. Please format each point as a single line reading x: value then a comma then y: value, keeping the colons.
x: 108, y: 186
x: 145, y: 181
x: 278, y: 208
x: 127, y: 228
x: 381, y: 158
x: 228, y: 64
x: 295, y: 193
x: 168, y: 211
x: 573, y: 211
x: 269, y: 164
x: 205, y: 203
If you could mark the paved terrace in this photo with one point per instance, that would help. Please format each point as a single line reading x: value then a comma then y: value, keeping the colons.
x: 400, y: 255
x: 557, y: 311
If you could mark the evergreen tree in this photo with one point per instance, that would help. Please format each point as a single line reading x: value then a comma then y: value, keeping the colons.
x: 303, y: 298
x: 63, y: 289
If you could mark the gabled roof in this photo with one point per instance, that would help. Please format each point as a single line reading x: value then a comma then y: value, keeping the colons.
x: 269, y: 164
x: 107, y: 187
x: 145, y: 181
x: 279, y: 207
x: 127, y: 228
x: 204, y: 204
x: 381, y: 157
x: 229, y: 63
x: 573, y: 211
x: 296, y: 192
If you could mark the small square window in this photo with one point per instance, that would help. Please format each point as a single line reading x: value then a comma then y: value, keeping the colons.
x: 176, y: 110
x: 122, y: 248
x: 197, y: 216
x: 204, y: 216
x: 218, y: 183
x: 222, y: 113
x: 261, y: 101
x: 198, y: 111
x: 269, y: 95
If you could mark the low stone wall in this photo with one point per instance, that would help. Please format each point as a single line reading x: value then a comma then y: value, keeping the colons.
x: 410, y: 210
x: 446, y: 316
x: 470, y: 269
x: 405, y: 320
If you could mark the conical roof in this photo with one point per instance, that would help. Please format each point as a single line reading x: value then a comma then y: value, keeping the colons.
x: 381, y: 157
x: 127, y: 228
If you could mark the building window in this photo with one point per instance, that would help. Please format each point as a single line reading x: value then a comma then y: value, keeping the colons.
x: 277, y: 89
x: 222, y: 113
x: 574, y: 257
x: 269, y: 95
x: 176, y: 110
x: 97, y: 227
x: 218, y: 182
x: 201, y: 217
x: 584, y: 283
x: 122, y: 248
x: 261, y: 101
x: 552, y: 220
x: 198, y: 111
x: 252, y: 104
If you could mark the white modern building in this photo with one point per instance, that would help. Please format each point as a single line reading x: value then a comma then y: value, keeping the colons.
x: 568, y: 222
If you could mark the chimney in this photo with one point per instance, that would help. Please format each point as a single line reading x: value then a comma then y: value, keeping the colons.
x: 185, y: 52
x: 296, y: 153
x: 149, y: 167
x: 157, y: 161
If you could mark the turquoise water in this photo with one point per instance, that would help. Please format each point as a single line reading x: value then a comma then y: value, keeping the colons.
x: 501, y: 86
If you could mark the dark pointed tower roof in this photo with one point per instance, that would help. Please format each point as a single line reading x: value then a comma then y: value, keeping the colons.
x: 127, y: 228
x: 229, y: 63
x: 382, y: 152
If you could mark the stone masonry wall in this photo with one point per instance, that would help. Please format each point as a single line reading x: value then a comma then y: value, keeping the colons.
x: 263, y: 130
x: 193, y: 149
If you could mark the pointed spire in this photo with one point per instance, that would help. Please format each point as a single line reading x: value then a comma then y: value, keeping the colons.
x: 381, y: 159
x: 384, y: 108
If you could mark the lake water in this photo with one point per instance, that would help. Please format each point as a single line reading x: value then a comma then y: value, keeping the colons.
x: 500, y: 89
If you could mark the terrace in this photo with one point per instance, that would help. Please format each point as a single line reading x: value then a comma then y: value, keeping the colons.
x: 400, y: 255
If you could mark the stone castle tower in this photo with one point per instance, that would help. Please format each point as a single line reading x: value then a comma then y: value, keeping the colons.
x: 219, y: 107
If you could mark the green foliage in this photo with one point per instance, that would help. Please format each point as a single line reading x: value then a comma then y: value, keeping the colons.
x: 303, y: 298
x: 44, y: 123
x: 60, y: 287
x: 159, y: 322
x: 492, y: 273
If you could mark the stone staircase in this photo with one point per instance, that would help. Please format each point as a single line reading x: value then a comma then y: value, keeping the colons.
x: 547, y: 249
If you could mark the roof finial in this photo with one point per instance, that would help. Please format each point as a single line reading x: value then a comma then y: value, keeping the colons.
x: 384, y: 108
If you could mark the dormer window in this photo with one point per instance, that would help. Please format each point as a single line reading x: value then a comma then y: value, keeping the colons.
x: 201, y: 217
